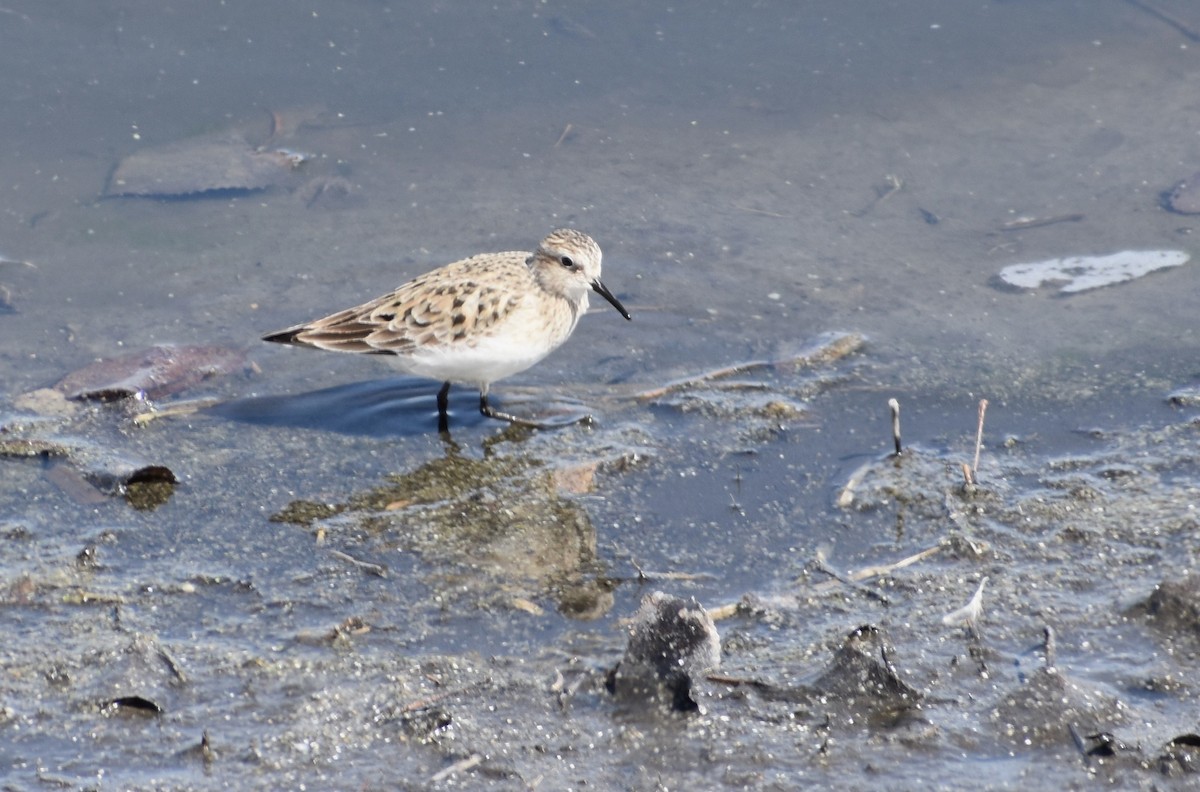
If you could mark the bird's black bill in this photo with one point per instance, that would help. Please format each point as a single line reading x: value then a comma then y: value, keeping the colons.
x: 603, y: 291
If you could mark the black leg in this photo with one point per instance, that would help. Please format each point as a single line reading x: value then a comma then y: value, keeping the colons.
x: 443, y: 403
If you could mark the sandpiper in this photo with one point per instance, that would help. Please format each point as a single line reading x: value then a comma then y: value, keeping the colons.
x: 474, y: 321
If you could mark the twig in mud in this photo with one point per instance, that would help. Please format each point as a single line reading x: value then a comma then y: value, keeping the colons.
x: 968, y: 477
x: 644, y: 576
x: 457, y: 767
x: 894, y: 406
x: 1021, y: 223
x: 983, y: 403
x: 821, y: 566
x: 886, y: 569
x: 1189, y: 32
x: 846, y: 496
x: 565, y: 133
x: 720, y: 612
x: 883, y: 569
x: 379, y: 570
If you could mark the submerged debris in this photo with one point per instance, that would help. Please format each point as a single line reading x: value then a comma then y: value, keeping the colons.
x: 153, y: 373
x: 497, y: 525
x: 195, y: 167
x: 824, y: 349
x: 1081, y: 273
x: 6, y: 292
x: 1022, y: 223
x: 1184, y: 197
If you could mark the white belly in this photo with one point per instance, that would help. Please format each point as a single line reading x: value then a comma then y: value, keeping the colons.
x: 523, y: 340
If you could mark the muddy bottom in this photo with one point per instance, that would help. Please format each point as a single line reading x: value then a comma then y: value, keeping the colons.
x: 455, y: 621
x: 227, y: 564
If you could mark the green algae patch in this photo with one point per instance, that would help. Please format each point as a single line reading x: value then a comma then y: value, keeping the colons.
x: 499, y: 516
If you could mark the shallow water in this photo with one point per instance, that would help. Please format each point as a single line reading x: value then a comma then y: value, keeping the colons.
x: 338, y: 597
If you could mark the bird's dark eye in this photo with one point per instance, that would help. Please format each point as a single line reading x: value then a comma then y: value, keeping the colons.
x: 567, y: 262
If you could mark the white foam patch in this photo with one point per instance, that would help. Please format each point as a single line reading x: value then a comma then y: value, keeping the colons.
x: 1080, y: 273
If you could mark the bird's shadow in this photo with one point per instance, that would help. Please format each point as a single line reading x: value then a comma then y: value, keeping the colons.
x: 396, y: 406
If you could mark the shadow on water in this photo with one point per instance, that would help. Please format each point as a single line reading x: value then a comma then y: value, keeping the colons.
x: 393, y: 407
x: 397, y: 406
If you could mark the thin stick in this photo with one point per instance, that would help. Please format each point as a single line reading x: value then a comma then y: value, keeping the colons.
x: 729, y: 610
x: 821, y: 566
x: 378, y: 570
x: 894, y: 406
x: 179, y: 408
x: 457, y: 767
x: 983, y: 403
x: 884, y: 569
x: 566, y: 131
x: 1022, y: 223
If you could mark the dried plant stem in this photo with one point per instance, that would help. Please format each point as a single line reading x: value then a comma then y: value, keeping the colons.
x: 1038, y: 222
x: 983, y: 403
x: 821, y: 566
